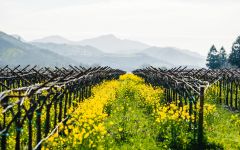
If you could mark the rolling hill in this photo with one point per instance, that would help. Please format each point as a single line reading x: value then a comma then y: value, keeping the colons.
x: 75, y: 52
x: 14, y: 51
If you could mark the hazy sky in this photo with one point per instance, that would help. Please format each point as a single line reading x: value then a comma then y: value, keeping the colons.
x: 187, y: 24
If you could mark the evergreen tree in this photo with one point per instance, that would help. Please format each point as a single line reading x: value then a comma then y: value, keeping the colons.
x: 234, y: 57
x: 223, y: 58
x: 213, y: 58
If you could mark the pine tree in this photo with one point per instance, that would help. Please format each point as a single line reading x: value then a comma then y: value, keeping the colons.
x: 234, y: 57
x: 213, y: 58
x: 223, y: 58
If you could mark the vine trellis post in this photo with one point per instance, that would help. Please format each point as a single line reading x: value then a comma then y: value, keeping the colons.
x: 37, y: 100
x: 192, y: 85
x: 200, y: 128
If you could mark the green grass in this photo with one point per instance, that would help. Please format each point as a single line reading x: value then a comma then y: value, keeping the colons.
x: 129, y: 126
x: 222, y: 130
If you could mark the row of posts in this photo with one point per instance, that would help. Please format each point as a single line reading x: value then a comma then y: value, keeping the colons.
x: 60, y: 102
x: 173, y: 96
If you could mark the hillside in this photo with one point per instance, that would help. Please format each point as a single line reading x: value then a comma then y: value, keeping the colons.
x: 75, y: 52
x: 14, y: 52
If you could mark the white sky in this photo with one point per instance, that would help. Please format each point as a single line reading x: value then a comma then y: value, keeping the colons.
x: 187, y: 24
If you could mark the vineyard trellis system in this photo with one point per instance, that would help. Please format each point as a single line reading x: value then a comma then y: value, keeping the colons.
x: 40, y: 98
x: 187, y: 87
x: 37, y: 100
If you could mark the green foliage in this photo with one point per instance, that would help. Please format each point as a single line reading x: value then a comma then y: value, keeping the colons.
x: 234, y: 57
x: 128, y: 125
x: 128, y: 121
x: 223, y: 58
x: 213, y: 61
x: 222, y: 128
x: 132, y: 124
x: 174, y: 135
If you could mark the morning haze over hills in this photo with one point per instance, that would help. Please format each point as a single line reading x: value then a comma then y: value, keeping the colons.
x: 102, y: 50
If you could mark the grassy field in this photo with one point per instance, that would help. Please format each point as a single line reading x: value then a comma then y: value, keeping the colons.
x: 223, y: 128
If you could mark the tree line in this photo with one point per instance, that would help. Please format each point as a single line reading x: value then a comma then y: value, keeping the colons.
x: 219, y: 59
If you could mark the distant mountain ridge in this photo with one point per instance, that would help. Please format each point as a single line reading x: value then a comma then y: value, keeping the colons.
x: 18, y: 37
x: 53, y: 39
x: 16, y: 52
x: 126, y: 54
x: 107, y: 43
x: 111, y: 44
